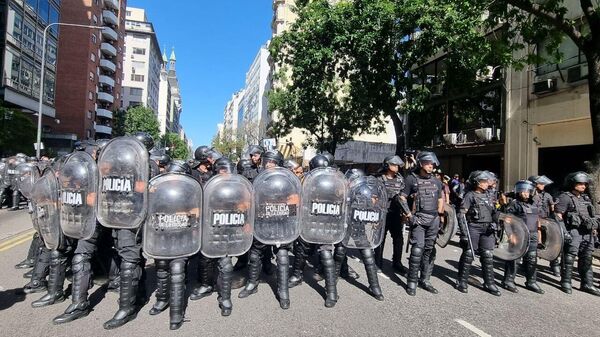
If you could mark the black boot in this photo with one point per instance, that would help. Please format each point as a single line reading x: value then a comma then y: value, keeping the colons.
x: 114, y: 277
x: 224, y: 285
x: 530, y: 264
x: 378, y: 252
x: 162, y: 287
x: 510, y: 271
x: 56, y: 281
x: 38, y: 273
x: 566, y: 273
x: 82, y: 275
x: 15, y: 200
x: 397, y: 244
x: 298, y: 265
x: 32, y: 254
x: 177, y: 294
x: 330, y: 278
x: 338, y: 258
x: 254, y: 268
x: 414, y: 265
x: 267, y: 255
x: 586, y: 273
x: 487, y: 267
x: 127, y: 296
x: 371, y: 269
x: 464, y: 269
x: 241, y: 263
x: 427, y: 264
x: 283, y: 264
x: 205, y: 272
x: 555, y: 267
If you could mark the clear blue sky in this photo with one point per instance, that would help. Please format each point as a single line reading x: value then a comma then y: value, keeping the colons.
x: 215, y: 43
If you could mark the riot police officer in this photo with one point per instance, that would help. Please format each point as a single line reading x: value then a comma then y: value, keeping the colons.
x: 293, y: 166
x: 545, y: 202
x: 203, y: 171
x: 424, y: 193
x: 525, y: 208
x: 394, y: 185
x: 255, y: 152
x: 477, y: 218
x: 575, y: 208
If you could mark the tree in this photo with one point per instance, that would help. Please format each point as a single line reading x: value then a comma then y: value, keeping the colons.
x: 18, y: 133
x: 178, y: 149
x: 229, y: 145
x: 119, y: 122
x: 313, y: 68
x: 139, y: 119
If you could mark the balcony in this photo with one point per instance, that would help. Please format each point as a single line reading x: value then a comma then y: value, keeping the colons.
x: 109, y: 34
x: 103, y: 129
x: 107, y: 65
x: 108, y: 49
x: 109, y: 18
x: 106, y: 80
x: 113, y: 4
x: 104, y: 113
x: 106, y: 97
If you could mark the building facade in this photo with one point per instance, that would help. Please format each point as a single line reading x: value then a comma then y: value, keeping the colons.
x: 143, y: 62
x: 176, y: 103
x: 23, y: 24
x: 254, y: 102
x: 231, y: 115
x: 90, y: 67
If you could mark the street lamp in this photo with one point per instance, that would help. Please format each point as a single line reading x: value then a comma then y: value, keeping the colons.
x: 39, y: 126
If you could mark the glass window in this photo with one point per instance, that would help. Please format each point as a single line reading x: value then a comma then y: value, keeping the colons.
x: 11, y: 66
x: 91, y: 76
x: 36, y: 81
x: 26, y: 76
x: 51, y: 52
x: 90, y: 95
x: 49, y: 91
x: 44, y: 10
x: 139, y: 51
x: 137, y: 78
x: 14, y: 24
x: 54, y: 18
x: 94, y: 19
x: 89, y: 114
x: 39, y: 41
x: 31, y: 5
x: 135, y: 91
x: 93, y: 57
x: 28, y: 36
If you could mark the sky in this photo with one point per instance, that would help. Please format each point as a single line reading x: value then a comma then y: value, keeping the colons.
x: 215, y: 43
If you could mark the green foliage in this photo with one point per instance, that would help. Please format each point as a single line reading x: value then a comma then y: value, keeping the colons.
x: 139, y: 119
x: 17, y: 132
x: 178, y: 149
x: 119, y: 123
x: 229, y: 145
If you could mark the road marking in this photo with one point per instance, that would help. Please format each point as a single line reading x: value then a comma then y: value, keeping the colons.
x: 473, y: 328
x: 16, y: 240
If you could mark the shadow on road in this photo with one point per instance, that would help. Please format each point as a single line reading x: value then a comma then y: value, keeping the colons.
x: 10, y: 297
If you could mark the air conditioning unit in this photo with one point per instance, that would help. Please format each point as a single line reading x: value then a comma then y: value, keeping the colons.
x: 577, y: 73
x: 450, y: 138
x: 437, y: 90
x: 484, y: 134
x: 544, y: 87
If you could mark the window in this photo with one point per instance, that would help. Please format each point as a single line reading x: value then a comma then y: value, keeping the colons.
x: 94, y: 19
x: 89, y: 133
x: 26, y: 76
x: 93, y: 57
x: 49, y: 82
x: 51, y: 52
x: 128, y: 13
x: 53, y: 18
x: 36, y: 82
x: 91, y: 76
x: 28, y: 36
x: 134, y: 104
x: 137, y: 78
x: 44, y: 10
x: 136, y: 91
x: 94, y: 39
x: 17, y: 24
x: 89, y: 114
x: 90, y: 95
x: 31, y: 5
x: 12, y: 66
x: 139, y: 51
x: 571, y: 55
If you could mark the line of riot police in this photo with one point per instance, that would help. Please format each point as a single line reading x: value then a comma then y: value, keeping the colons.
x: 124, y: 196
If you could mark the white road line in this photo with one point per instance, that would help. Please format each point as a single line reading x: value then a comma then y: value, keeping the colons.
x: 473, y: 328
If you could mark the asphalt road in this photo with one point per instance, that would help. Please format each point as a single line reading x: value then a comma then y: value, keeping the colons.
x: 449, y: 313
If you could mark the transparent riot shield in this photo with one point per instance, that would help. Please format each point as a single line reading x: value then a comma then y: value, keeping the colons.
x: 173, y: 227
x: 78, y: 187
x: 276, y: 206
x: 367, y: 209
x: 27, y: 173
x: 513, y: 238
x: 448, y: 228
x: 44, y: 197
x: 551, y: 240
x: 124, y: 168
x: 228, y: 221
x: 323, y: 212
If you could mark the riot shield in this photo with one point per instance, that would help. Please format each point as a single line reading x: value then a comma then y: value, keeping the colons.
x: 367, y: 209
x: 276, y: 204
x: 173, y: 227
x: 513, y: 238
x: 228, y: 220
x: 12, y: 175
x: 124, y: 168
x: 448, y: 228
x: 551, y: 240
x: 44, y: 197
x: 323, y: 212
x: 3, y: 176
x: 78, y: 187
x: 27, y: 173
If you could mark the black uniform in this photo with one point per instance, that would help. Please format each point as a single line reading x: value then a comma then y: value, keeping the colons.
x: 478, y: 211
x: 544, y: 201
x: 393, y: 221
x: 578, y: 214
x: 423, y: 194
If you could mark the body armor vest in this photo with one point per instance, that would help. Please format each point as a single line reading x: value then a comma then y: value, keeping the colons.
x: 481, y: 211
x: 426, y: 199
x: 393, y: 187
